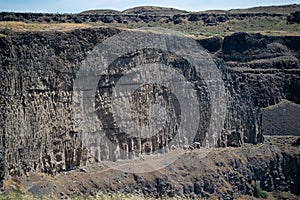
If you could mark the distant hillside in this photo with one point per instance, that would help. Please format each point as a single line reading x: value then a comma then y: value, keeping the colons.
x: 284, y: 9
x: 153, y: 10
x: 142, y: 10
x: 101, y: 12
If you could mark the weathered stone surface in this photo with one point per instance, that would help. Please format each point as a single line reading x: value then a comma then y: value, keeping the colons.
x: 228, y: 172
x: 265, y: 71
x: 281, y: 119
x: 38, y: 70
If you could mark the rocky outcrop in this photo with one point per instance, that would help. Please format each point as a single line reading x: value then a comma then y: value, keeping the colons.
x: 137, y: 15
x: 230, y: 173
x: 38, y: 71
x: 274, y: 61
x: 267, y: 69
x: 225, y: 172
x: 36, y: 90
x: 294, y: 18
x: 212, y: 44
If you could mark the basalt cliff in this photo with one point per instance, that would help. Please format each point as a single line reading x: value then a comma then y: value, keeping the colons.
x: 38, y: 133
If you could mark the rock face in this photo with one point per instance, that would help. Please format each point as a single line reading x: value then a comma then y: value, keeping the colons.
x: 267, y: 70
x: 294, y: 18
x: 281, y: 119
x: 228, y: 172
x: 38, y: 71
x: 36, y: 91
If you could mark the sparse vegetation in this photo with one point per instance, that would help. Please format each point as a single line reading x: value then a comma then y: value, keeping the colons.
x: 22, y: 26
x: 285, y: 9
x: 269, y: 21
x: 259, y: 192
x: 16, y: 195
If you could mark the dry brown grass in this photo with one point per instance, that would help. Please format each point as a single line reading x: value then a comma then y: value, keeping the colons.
x: 280, y: 33
x: 21, y: 26
x: 11, y: 182
x: 211, y: 31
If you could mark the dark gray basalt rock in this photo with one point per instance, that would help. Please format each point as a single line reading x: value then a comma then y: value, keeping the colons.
x: 281, y: 119
x: 228, y: 173
x: 38, y: 69
x: 294, y: 18
x: 269, y: 68
x: 37, y: 73
x: 211, y: 44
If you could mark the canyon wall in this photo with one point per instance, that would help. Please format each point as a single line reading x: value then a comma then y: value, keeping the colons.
x: 38, y: 70
x: 228, y: 172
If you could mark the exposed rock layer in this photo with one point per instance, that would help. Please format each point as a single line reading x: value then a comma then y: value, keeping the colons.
x: 228, y: 172
x: 38, y: 70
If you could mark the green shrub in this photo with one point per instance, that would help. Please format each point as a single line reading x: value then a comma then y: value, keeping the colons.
x: 12, y: 195
x: 259, y: 192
